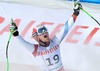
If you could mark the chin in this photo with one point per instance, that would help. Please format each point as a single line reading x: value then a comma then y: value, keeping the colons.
x: 47, y: 40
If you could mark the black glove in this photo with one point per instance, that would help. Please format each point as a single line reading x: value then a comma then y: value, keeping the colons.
x: 14, y: 28
x: 77, y: 8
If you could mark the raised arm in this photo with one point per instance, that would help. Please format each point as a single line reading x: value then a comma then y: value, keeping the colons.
x: 27, y: 45
x: 69, y: 23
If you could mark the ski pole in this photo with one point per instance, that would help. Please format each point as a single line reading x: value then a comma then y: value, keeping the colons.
x: 7, y: 60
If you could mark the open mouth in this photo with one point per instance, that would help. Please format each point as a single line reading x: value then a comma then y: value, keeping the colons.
x: 45, y: 36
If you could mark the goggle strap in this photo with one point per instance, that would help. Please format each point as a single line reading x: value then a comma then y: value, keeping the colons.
x: 35, y: 34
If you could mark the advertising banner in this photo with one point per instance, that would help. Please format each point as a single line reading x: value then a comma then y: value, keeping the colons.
x: 80, y: 49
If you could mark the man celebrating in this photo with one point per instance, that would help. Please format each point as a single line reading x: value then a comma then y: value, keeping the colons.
x: 47, y: 51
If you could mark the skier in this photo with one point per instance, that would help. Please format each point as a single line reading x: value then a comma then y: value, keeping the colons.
x: 47, y: 51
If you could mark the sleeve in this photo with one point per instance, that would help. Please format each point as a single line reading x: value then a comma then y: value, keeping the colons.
x: 30, y: 47
x: 60, y: 36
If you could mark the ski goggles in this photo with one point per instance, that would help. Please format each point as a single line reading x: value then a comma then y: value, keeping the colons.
x: 40, y: 31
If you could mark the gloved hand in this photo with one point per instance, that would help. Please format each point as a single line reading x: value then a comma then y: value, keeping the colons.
x: 14, y: 28
x: 77, y: 7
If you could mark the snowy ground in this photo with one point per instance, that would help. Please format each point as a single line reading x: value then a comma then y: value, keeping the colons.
x: 18, y: 67
x: 21, y: 67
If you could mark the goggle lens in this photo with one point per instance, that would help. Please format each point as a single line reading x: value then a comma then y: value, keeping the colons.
x: 42, y: 30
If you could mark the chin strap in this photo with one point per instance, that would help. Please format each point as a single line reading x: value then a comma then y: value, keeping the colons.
x: 45, y: 43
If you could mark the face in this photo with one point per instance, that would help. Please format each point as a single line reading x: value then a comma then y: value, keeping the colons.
x: 42, y: 34
x: 44, y: 37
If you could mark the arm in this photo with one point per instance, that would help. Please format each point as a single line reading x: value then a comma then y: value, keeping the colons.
x: 69, y: 23
x: 30, y: 47
x: 27, y: 45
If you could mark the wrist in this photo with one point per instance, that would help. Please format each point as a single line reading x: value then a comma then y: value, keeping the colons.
x: 76, y: 12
